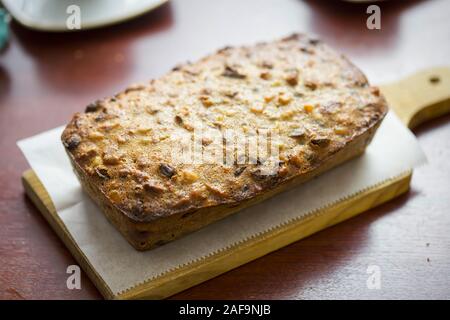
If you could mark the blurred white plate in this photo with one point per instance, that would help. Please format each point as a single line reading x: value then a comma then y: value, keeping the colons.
x: 51, y: 15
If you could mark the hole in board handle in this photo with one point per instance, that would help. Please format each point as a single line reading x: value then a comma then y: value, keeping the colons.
x: 435, y: 80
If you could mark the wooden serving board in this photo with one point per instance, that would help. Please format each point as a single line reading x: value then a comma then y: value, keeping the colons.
x: 416, y: 99
x: 192, y: 274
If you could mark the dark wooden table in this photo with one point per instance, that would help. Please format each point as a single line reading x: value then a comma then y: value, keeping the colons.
x: 44, y: 78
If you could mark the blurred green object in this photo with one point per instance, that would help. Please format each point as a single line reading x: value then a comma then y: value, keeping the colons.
x: 4, y: 26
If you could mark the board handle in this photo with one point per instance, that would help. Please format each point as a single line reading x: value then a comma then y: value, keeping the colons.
x: 420, y: 97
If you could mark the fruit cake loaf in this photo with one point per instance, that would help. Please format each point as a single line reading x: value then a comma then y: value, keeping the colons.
x: 318, y: 107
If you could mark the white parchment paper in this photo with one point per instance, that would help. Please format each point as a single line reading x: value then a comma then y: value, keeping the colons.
x: 393, y: 151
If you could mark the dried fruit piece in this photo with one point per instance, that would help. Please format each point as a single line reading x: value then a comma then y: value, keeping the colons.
x: 230, y: 94
x: 142, y: 162
x: 314, y: 41
x: 143, y: 129
x: 122, y: 139
x: 206, y: 101
x: 152, y: 110
x: 341, y: 131
x: 298, y: 133
x: 166, y: 170
x: 179, y: 120
x: 72, y: 142
x: 307, y: 50
x: 268, y: 98
x: 320, y: 142
x: 95, y: 135
x: 265, y: 175
x: 266, y: 65
x: 216, y: 190
x: 330, y: 107
x: 88, y: 152
x: 375, y: 91
x: 102, y: 172
x: 287, y: 115
x: 110, y: 126
x: 311, y: 85
x: 292, y: 78
x: 232, y: 73
x: 114, y: 195
x: 265, y: 75
x: 206, y: 141
x: 111, y: 159
x: 188, y: 176
x: 146, y: 141
x: 309, y: 108
x: 296, y: 160
x: 239, y: 171
x: 153, y: 187
x: 92, y: 107
x: 256, y: 109
x: 124, y: 172
x: 206, y: 91
x: 276, y: 83
x: 284, y: 99
x: 96, y: 161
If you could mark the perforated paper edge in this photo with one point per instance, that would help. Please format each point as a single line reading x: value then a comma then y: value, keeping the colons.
x: 314, y: 212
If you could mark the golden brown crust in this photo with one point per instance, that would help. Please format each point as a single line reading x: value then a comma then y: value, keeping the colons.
x: 316, y: 101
